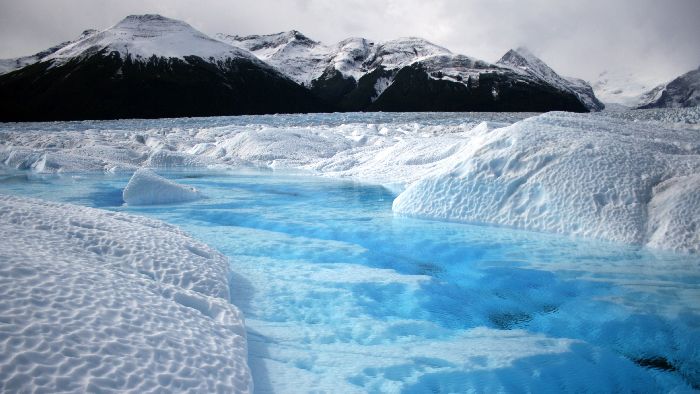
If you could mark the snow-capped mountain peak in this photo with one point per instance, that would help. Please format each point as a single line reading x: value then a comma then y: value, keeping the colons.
x: 524, y: 61
x: 143, y: 36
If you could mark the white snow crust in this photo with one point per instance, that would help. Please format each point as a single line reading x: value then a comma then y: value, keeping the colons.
x: 97, y: 301
x: 148, y: 188
x: 622, y: 176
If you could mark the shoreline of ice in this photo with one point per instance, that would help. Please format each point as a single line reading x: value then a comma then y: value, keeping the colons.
x: 93, y: 300
x: 599, y: 176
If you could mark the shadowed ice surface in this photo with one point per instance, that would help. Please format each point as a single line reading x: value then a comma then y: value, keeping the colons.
x: 340, y: 295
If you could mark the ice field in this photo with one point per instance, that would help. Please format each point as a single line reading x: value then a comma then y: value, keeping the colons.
x: 563, y: 259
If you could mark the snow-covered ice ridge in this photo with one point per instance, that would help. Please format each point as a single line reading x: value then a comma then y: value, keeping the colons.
x: 96, y: 301
x: 631, y: 178
x: 572, y: 175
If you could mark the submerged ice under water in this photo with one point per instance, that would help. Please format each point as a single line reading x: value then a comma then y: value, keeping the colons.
x: 340, y: 295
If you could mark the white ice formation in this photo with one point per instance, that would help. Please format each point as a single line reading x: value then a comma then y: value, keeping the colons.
x: 571, y: 175
x: 148, y: 188
x: 97, y: 301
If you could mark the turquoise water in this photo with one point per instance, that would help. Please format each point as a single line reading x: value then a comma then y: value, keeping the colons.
x: 341, y: 295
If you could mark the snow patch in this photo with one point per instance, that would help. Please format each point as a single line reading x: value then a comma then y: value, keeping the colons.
x: 380, y: 86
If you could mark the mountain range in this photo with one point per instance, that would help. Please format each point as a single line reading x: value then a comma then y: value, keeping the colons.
x: 150, y: 66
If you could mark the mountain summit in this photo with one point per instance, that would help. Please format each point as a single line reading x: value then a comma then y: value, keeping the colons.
x: 144, y: 36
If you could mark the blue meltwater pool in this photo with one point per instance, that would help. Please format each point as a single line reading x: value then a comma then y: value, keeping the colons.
x: 340, y: 295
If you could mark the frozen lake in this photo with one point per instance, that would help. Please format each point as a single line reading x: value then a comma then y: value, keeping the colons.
x: 342, y: 295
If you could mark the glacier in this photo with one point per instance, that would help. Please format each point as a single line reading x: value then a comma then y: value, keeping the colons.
x: 606, y: 176
x: 340, y: 293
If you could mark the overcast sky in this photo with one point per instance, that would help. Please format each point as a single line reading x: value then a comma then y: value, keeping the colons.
x: 654, y: 38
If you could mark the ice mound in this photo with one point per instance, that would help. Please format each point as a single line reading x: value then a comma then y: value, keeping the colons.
x: 148, y: 188
x: 565, y: 173
x: 95, y: 301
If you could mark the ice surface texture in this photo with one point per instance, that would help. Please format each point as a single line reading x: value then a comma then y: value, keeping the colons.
x: 98, y: 301
x: 573, y: 175
x: 148, y: 188
x: 606, y: 176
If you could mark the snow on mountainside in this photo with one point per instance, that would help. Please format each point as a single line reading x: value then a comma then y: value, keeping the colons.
x: 523, y: 60
x: 348, y: 57
x: 305, y: 60
x: 294, y: 54
x: 683, y: 91
x: 144, y: 36
x: 334, y: 71
x: 405, y: 74
x: 404, y: 51
x: 7, y: 65
x: 623, y: 88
